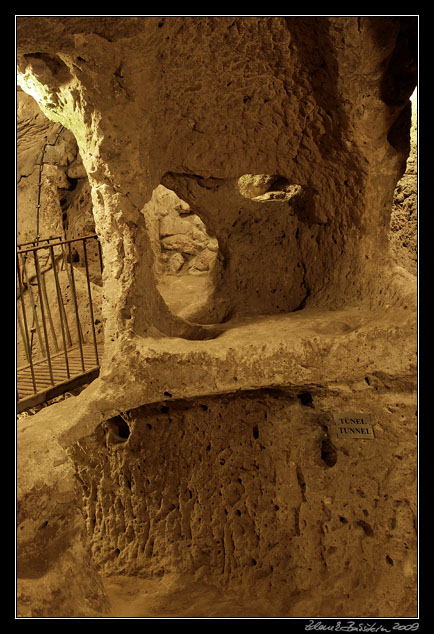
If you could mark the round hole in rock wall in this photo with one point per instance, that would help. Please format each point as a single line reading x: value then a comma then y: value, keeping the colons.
x: 185, y: 255
x: 118, y: 429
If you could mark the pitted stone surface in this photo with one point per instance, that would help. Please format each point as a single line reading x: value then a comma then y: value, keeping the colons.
x: 240, y: 490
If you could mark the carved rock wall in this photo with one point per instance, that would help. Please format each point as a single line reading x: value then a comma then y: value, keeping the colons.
x: 308, y: 99
x: 179, y: 238
x: 313, y: 115
x: 256, y: 495
x: 64, y: 195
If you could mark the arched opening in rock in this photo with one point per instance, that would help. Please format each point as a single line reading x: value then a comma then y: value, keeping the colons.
x: 185, y: 255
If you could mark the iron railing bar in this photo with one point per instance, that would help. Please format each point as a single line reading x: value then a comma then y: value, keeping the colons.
x: 100, y: 254
x: 53, y: 357
x: 35, y: 315
x: 90, y: 301
x: 65, y: 262
x: 23, y: 307
x: 24, y: 244
x: 61, y: 308
x: 48, y: 368
x: 46, y: 246
x: 38, y: 275
x: 76, y: 306
x: 68, y: 332
x: 23, y: 335
x: 24, y: 332
x: 50, y: 320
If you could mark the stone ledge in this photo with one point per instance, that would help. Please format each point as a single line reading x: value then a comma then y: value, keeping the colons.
x: 306, y: 348
x: 309, y: 347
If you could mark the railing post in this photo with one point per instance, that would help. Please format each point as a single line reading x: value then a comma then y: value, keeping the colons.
x: 61, y: 308
x: 23, y: 336
x: 90, y: 302
x: 50, y: 320
x: 68, y: 334
x: 33, y: 304
x: 76, y: 306
x: 38, y: 277
x: 71, y: 283
x: 29, y: 350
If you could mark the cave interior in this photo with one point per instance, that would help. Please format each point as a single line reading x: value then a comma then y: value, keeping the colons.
x: 249, y: 446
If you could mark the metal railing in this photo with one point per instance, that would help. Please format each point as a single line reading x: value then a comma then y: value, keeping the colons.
x: 56, y: 334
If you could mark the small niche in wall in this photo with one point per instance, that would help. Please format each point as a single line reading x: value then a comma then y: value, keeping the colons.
x: 266, y: 188
x: 117, y: 428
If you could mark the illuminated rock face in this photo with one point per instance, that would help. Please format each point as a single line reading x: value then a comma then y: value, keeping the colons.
x: 48, y: 154
x: 198, y: 102
x: 287, y: 137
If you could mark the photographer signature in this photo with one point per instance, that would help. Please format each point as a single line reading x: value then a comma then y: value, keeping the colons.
x: 352, y: 626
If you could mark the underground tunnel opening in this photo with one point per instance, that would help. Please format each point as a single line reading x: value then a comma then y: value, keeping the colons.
x: 185, y: 254
x: 59, y: 336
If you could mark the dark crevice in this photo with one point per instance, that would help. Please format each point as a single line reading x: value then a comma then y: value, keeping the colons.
x: 400, y: 77
x: 301, y: 481
x: 305, y: 398
x: 328, y: 453
x: 72, y: 183
x: 302, y: 304
x: 118, y: 428
x: 51, y: 63
x: 366, y: 528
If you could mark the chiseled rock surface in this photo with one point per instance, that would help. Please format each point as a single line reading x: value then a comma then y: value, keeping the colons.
x: 306, y: 298
x: 256, y: 495
x: 179, y: 239
x: 64, y: 195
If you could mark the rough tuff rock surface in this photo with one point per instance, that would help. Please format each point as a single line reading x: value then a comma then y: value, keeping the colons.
x: 287, y: 137
x: 48, y: 154
x: 254, y: 492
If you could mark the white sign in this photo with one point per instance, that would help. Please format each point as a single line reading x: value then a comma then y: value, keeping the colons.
x: 354, y: 426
